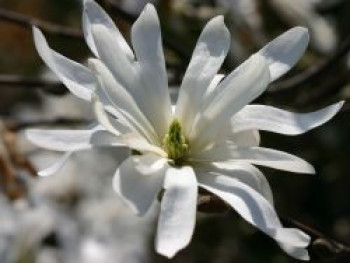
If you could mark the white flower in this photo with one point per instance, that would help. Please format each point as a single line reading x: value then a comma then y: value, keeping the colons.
x: 209, y: 140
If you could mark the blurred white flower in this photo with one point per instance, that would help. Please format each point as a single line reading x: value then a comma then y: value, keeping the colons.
x: 210, y: 139
x: 303, y: 12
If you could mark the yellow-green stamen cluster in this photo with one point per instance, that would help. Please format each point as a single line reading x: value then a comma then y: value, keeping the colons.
x: 175, y: 142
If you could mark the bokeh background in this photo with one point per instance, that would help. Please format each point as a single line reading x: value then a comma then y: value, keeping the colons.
x: 74, y: 216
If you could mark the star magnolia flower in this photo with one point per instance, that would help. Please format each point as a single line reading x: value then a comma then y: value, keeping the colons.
x: 209, y: 139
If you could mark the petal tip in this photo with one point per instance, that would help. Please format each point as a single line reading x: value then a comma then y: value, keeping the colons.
x: 219, y: 21
x: 310, y: 169
x: 38, y: 36
x: 149, y: 6
x: 340, y: 104
x: 148, y: 16
x: 166, y: 251
x: 35, y: 29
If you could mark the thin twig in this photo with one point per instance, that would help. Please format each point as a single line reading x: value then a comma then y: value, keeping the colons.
x: 34, y: 83
x: 330, y: 88
x: 321, y: 246
x: 313, y: 73
x: 21, y: 125
x: 48, y: 27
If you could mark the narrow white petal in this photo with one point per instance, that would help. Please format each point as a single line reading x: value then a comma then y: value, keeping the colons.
x: 209, y: 94
x: 207, y: 58
x: 56, y: 166
x: 123, y: 101
x: 268, y: 118
x: 77, y: 78
x: 138, y: 143
x: 178, y: 211
x: 234, y: 92
x: 256, y: 155
x: 285, y: 51
x: 147, y: 43
x: 71, y: 140
x: 256, y: 210
x: 241, y: 171
x: 94, y: 14
x: 246, y: 138
x: 103, y: 118
x: 114, y: 57
x: 138, y: 190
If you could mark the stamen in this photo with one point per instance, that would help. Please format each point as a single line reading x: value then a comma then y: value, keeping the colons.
x: 175, y: 142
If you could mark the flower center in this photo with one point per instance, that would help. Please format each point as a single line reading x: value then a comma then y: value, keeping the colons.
x: 175, y: 143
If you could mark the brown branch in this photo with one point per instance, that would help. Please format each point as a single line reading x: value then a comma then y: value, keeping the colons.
x: 35, y: 83
x: 330, y: 88
x: 47, y: 27
x: 21, y: 125
x: 314, y: 73
x: 321, y: 247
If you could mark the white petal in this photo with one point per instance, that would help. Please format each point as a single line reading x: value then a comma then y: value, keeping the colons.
x: 94, y: 14
x: 147, y: 43
x: 256, y: 155
x: 77, y: 78
x: 178, y: 211
x: 285, y: 51
x: 234, y: 92
x: 207, y: 58
x: 138, y: 143
x: 208, y: 96
x: 149, y: 164
x: 256, y: 210
x: 103, y: 118
x: 114, y: 57
x: 71, y: 140
x: 56, y: 166
x: 123, y: 101
x: 246, y: 138
x: 241, y: 171
x: 138, y: 190
x: 268, y: 118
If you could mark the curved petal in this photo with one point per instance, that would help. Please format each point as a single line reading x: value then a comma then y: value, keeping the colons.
x: 234, y: 92
x: 103, y: 118
x: 123, y: 101
x: 268, y: 118
x: 256, y: 155
x: 244, y: 172
x: 138, y: 188
x: 138, y: 143
x: 71, y: 140
x: 147, y: 43
x: 56, y: 166
x: 114, y: 57
x: 178, y: 211
x: 208, y: 56
x: 77, y: 78
x: 94, y: 14
x: 246, y: 138
x: 256, y: 210
x: 208, y: 96
x: 285, y: 51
